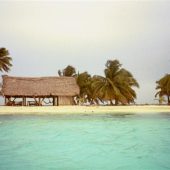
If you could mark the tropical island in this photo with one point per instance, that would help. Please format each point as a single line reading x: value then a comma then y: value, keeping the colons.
x: 84, y: 85
x: 116, y: 88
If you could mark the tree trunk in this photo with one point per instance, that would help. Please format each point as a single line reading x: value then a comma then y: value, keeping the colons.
x: 91, y: 102
x: 116, y: 102
x: 168, y: 100
x: 111, y: 103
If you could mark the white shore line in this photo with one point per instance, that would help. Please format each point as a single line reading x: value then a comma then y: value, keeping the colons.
x: 52, y: 110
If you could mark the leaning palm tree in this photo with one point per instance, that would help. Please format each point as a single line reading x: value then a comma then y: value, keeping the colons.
x: 122, y: 80
x: 163, y: 85
x: 125, y: 82
x: 105, y: 90
x: 5, y: 60
x: 116, y: 85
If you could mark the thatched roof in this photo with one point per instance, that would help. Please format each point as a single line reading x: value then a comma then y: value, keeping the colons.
x: 39, y: 86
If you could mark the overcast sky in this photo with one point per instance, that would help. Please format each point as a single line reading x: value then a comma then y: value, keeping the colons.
x: 44, y: 36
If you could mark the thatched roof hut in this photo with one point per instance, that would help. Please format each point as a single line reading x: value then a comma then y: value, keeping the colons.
x: 39, y: 86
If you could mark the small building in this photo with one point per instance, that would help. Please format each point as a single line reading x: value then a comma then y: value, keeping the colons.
x: 34, y: 91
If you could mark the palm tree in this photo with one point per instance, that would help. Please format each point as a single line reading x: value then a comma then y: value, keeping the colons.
x: 5, y: 60
x: 163, y: 85
x: 161, y: 100
x: 69, y: 71
x: 116, y: 85
x: 124, y: 80
x: 84, y: 82
x: 104, y: 89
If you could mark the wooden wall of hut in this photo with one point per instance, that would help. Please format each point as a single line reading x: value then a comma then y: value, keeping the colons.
x: 65, y: 100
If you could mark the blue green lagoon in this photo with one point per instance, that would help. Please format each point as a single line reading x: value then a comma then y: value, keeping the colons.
x: 85, y: 142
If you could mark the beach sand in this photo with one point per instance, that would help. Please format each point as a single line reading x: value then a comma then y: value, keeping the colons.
x: 43, y: 110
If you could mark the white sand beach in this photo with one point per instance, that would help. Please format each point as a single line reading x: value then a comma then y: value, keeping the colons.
x: 43, y: 110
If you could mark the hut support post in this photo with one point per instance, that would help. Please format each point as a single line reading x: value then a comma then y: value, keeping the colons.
x: 55, y: 101
x: 39, y: 101
x: 24, y: 101
x: 6, y: 100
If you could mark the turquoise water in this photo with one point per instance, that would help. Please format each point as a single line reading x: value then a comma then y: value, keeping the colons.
x: 85, y: 142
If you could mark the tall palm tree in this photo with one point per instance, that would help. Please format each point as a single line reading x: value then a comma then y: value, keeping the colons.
x: 116, y: 85
x: 69, y: 71
x: 5, y: 60
x: 163, y: 85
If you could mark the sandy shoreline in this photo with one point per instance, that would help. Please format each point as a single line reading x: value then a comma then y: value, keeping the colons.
x: 5, y: 110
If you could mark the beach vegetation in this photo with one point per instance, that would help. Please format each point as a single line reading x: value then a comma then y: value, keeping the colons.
x: 115, y: 87
x: 163, y: 87
x: 5, y: 60
x: 69, y: 71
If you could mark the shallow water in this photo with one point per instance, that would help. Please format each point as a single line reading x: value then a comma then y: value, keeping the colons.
x: 85, y: 142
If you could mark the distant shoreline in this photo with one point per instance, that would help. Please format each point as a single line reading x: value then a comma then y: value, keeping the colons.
x: 52, y: 110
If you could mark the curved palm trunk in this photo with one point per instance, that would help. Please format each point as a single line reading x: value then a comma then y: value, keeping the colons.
x: 111, y: 102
